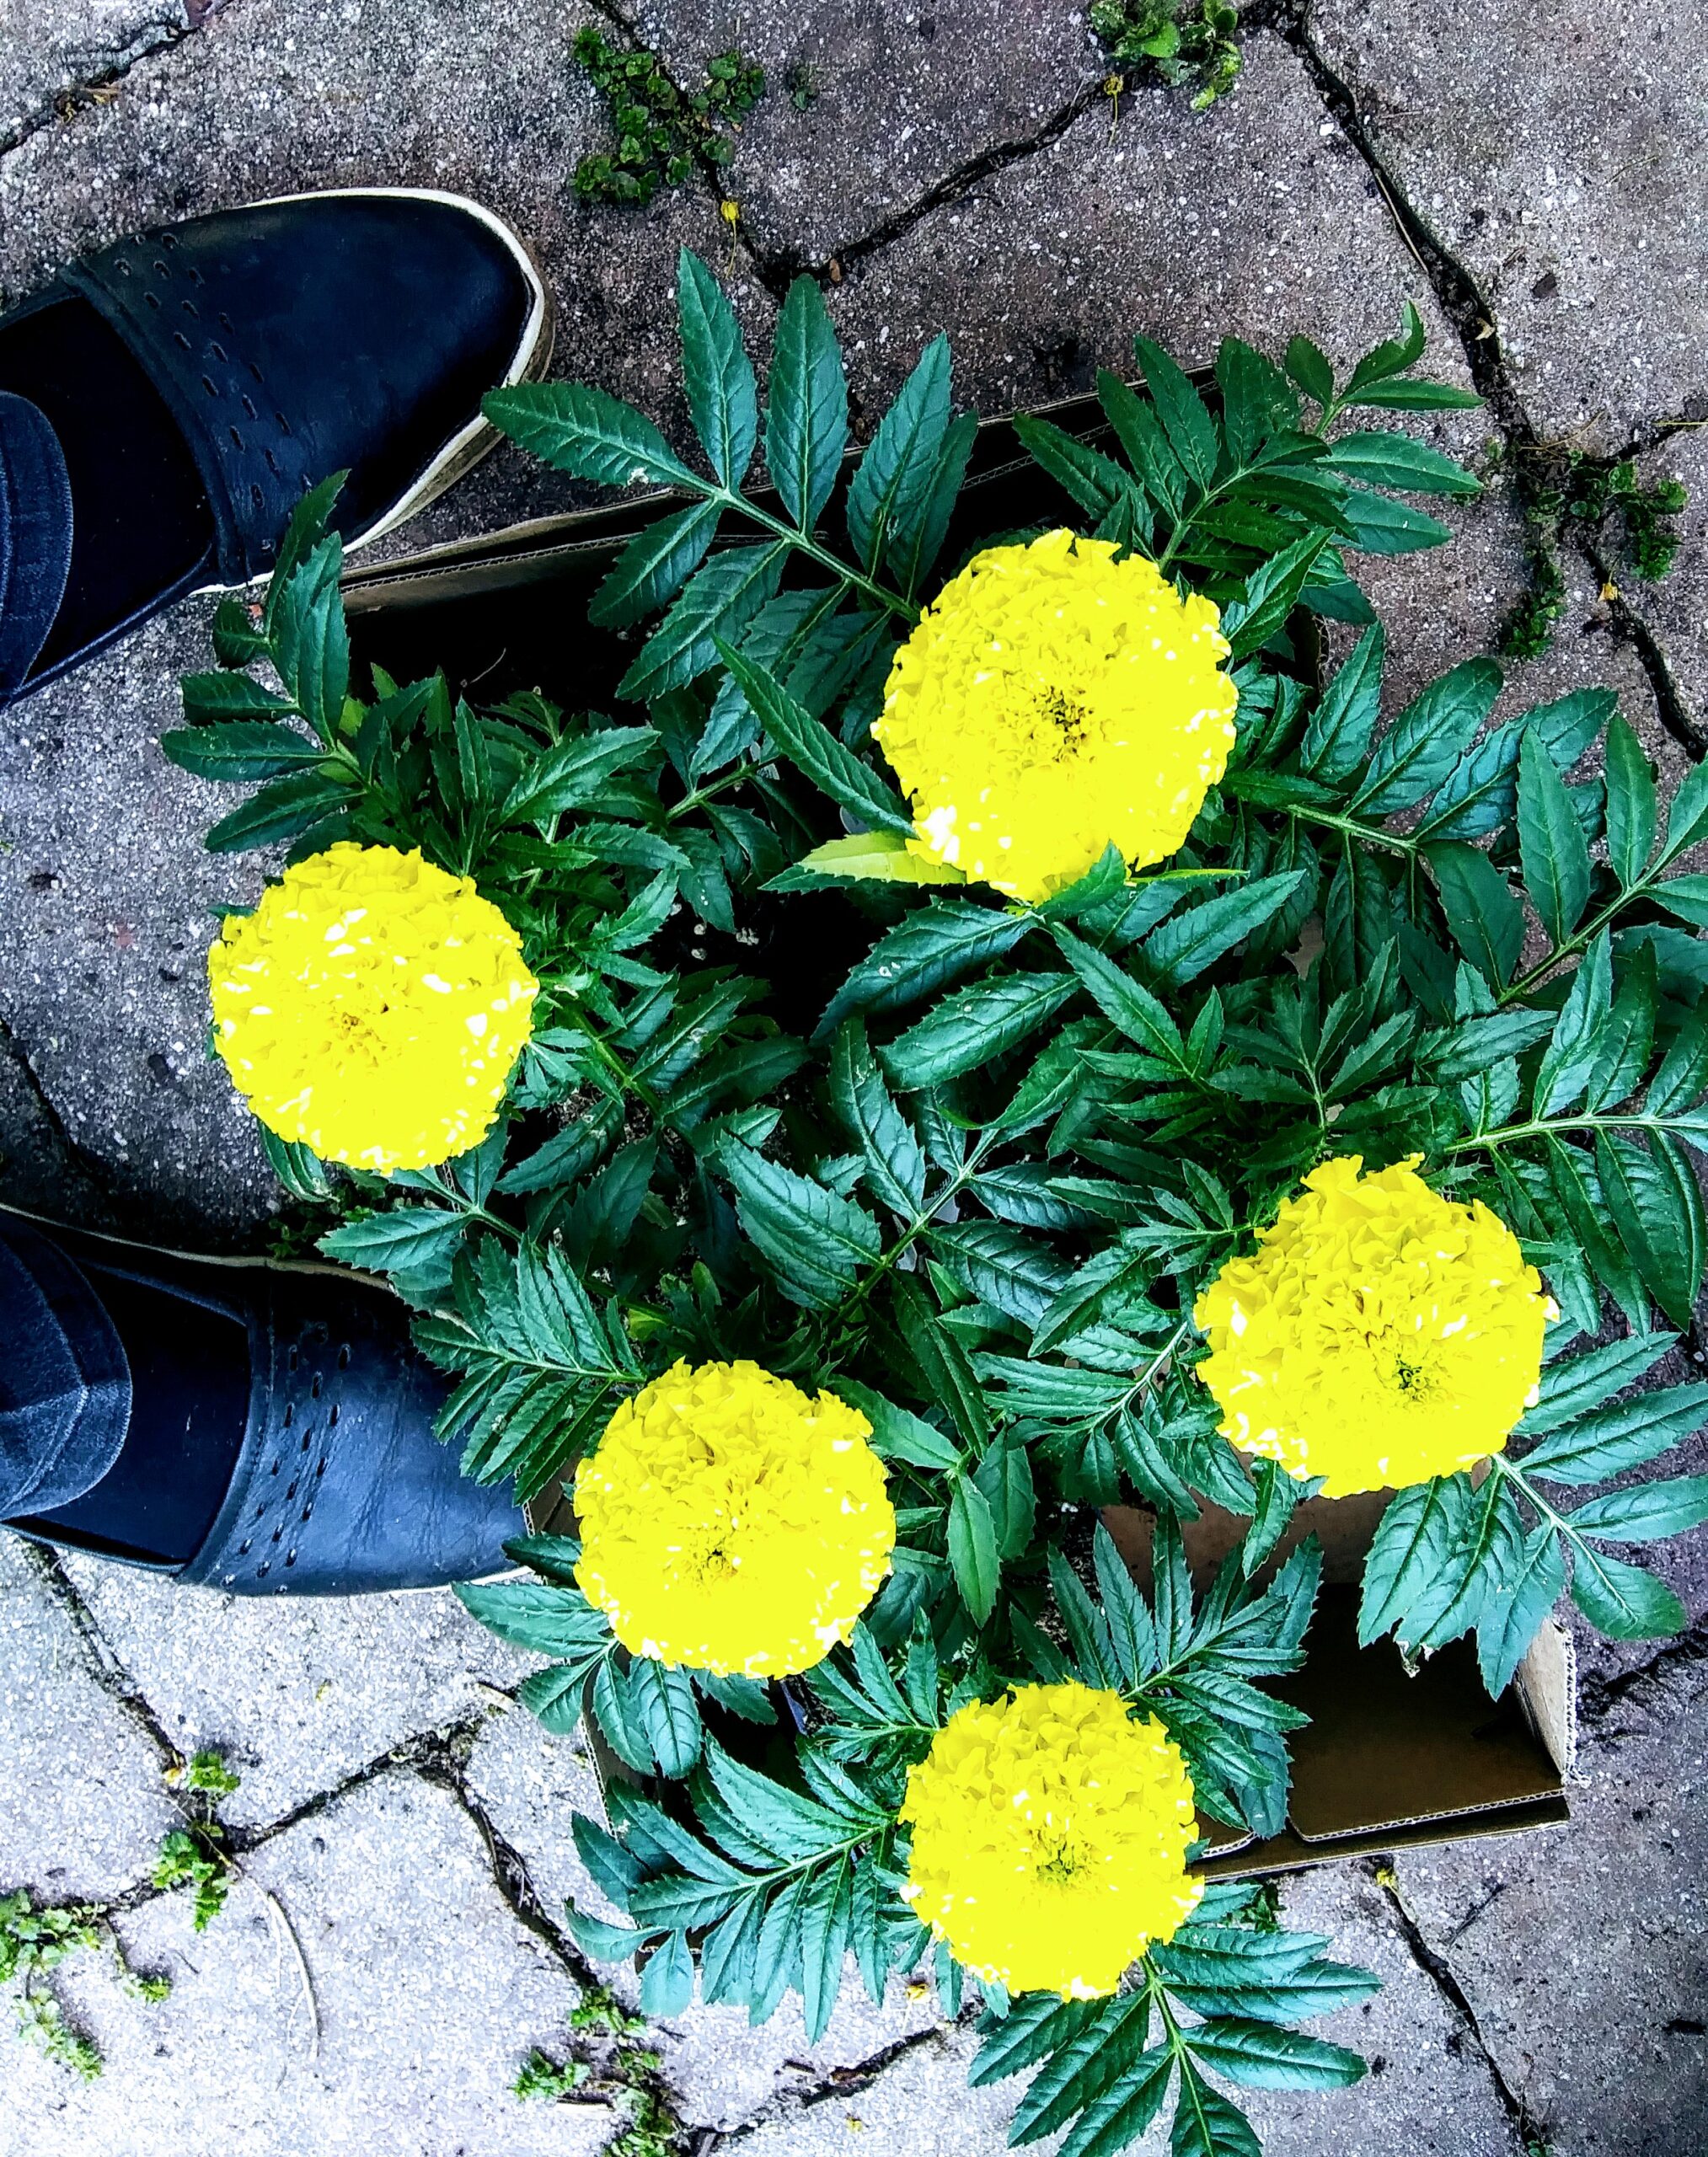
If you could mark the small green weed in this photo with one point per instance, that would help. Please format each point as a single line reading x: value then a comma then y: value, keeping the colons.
x: 33, y: 1944
x: 1181, y: 41
x: 194, y: 1855
x: 1599, y: 498
x: 628, y: 2073
x: 542, y: 2077
x: 660, y: 129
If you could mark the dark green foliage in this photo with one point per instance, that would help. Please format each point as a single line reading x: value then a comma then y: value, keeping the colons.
x: 660, y: 129
x: 1566, y: 493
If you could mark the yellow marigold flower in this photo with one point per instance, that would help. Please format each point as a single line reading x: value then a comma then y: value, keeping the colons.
x: 1050, y: 1839
x: 371, y: 1008
x: 1054, y: 701
x: 731, y: 1523
x: 1379, y: 1335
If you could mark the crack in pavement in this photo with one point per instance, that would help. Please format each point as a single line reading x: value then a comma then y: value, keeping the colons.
x: 1436, y: 1967
x: 160, y: 35
x: 839, y: 2082
x: 79, y: 1155
x: 1600, y: 1696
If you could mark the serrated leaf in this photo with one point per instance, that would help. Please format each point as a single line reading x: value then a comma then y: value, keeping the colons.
x: 806, y: 411
x: 654, y: 566
x: 1632, y: 811
x: 816, y: 1242
x: 717, y: 374
x: 812, y: 747
x: 242, y: 751
x: 1515, y: 1608
x: 973, y: 1026
x: 1486, y: 922
x: 1623, y: 1601
x: 895, y: 1165
x: 1185, y: 419
x: 925, y: 952
x: 1646, y: 1511
x: 1657, y: 1207
x: 1337, y: 739
x: 718, y: 604
x: 865, y: 857
x: 1402, y: 463
x: 1264, y: 2057
x: 887, y: 495
x: 1610, y: 1440
x: 573, y: 772
x: 1409, y: 1551
x: 973, y: 1548
x: 1426, y: 740
x: 1551, y: 844
x: 664, y: 1700
x: 587, y: 433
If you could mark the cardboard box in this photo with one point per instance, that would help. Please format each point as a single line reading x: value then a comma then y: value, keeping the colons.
x: 1389, y: 1758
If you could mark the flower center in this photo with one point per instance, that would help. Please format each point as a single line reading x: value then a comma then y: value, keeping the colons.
x: 1058, y: 1857
x: 1064, y: 716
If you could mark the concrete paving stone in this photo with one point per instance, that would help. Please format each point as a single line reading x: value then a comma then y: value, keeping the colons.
x: 107, y: 907
x: 1676, y: 609
x: 1255, y: 219
x: 1581, y: 1950
x: 272, y: 98
x: 83, y: 1806
x: 870, y: 105
x: 1554, y: 151
x: 722, y: 2072
x: 429, y: 1994
x: 297, y: 1693
x: 49, y: 48
x: 39, y: 1171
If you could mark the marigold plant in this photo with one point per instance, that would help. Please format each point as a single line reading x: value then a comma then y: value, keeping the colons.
x: 731, y: 1523
x: 1057, y: 699
x: 371, y: 1008
x: 875, y: 1206
x: 1380, y: 1335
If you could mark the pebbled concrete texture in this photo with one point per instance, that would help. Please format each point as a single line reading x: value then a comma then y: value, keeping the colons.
x: 1675, y: 611
x: 390, y: 1879
x: 868, y: 109
x: 300, y: 1694
x: 1582, y: 1953
x: 55, y: 53
x: 83, y: 1806
x: 1554, y: 151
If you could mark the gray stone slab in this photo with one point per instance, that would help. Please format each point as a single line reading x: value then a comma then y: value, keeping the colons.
x: 870, y: 106
x: 428, y: 1991
x: 1428, y: 2093
x: 1556, y: 154
x: 1676, y: 609
x: 1582, y: 1950
x: 1255, y: 219
x: 49, y: 48
x: 723, y: 2073
x: 107, y: 899
x: 83, y: 1806
x: 299, y: 1695
x: 273, y: 97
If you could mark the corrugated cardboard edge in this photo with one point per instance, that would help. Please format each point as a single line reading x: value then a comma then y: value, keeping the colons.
x: 1546, y: 1682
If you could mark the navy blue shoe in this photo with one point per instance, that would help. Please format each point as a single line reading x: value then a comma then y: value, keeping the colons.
x: 258, y: 1428
x: 200, y: 378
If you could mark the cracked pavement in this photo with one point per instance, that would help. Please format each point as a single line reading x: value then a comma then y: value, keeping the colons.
x: 1531, y: 180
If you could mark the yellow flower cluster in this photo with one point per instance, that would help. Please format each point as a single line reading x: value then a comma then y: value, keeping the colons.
x: 372, y: 1007
x: 1379, y: 1335
x: 1052, y: 702
x: 1050, y: 1839
x: 731, y: 1523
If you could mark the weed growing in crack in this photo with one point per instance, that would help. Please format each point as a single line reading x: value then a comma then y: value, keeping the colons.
x: 629, y: 2074
x: 194, y: 1855
x: 33, y: 1944
x: 1179, y: 40
x: 660, y: 129
x: 1565, y: 491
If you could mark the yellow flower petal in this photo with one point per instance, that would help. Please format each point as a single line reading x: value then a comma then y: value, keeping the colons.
x: 733, y: 1523
x: 1054, y: 701
x: 1050, y: 1835
x: 372, y: 1007
x: 1381, y: 1334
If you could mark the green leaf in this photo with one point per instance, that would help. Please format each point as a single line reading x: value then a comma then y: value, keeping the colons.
x: 924, y: 954
x: 1486, y: 922
x: 1108, y: 2051
x: 555, y: 1621
x: 301, y: 1171
x: 1337, y: 739
x: 717, y: 374
x: 1623, y: 1601
x: 1263, y: 2056
x: 1631, y: 806
x: 825, y: 1925
x: 1686, y: 816
x: 1646, y: 1511
x: 654, y: 566
x: 1415, y: 396
x: 310, y: 641
x: 917, y: 553
x: 1096, y: 482
x: 1185, y: 419
x: 898, y: 1433
x: 1184, y: 947
x: 1258, y: 607
x: 1207, y: 2124
x: 1310, y: 368
x: 1551, y: 844
x: 666, y: 1983
x: 1571, y: 1055
x: 1256, y: 398
x: 241, y: 751
x: 1515, y: 1607
x: 816, y: 1242
x: 948, y: 1377
x: 1409, y: 1551
x: 303, y: 533
x: 407, y: 1240
x: 718, y: 604
x: 895, y: 1166
x: 806, y: 414
x: 1401, y: 463
x: 1127, y: 1003
x: 1655, y: 1203
x: 664, y: 1698
x: 973, y: 1548
x: 587, y: 433
x: 1381, y: 526
x: 812, y: 747
x: 863, y: 858
x: 237, y: 640
x: 886, y: 496
x: 571, y: 773
x: 1426, y: 740
x: 1610, y: 1440
x: 211, y: 699
x: 973, y: 1026
x: 1573, y: 1385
